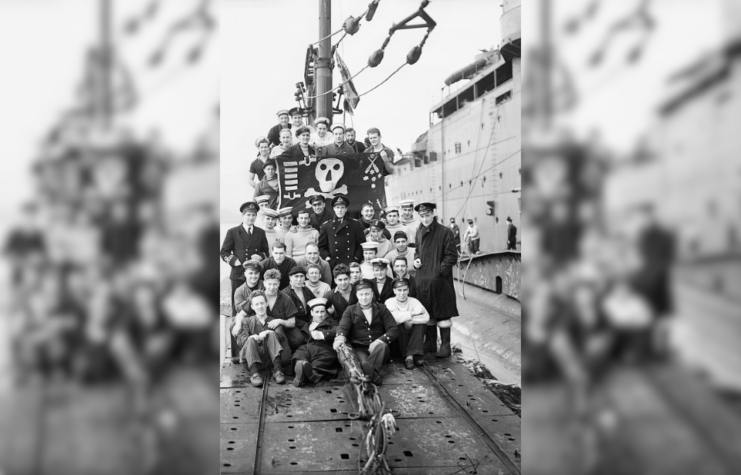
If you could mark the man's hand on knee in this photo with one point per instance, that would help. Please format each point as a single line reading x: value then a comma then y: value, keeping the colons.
x: 375, y: 344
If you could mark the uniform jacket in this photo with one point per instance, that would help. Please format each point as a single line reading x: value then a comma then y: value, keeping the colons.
x: 303, y: 312
x: 340, y: 240
x: 436, y: 249
x: 328, y: 327
x: 338, y: 301
x: 237, y: 246
x: 386, y: 292
x: 355, y: 328
x: 317, y: 220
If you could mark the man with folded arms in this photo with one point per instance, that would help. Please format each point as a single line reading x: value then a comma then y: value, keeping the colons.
x: 368, y: 328
x: 411, y: 320
x: 316, y: 359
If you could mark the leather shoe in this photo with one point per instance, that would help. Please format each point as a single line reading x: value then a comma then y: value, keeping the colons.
x: 279, y: 377
x: 409, y: 363
x: 418, y: 360
x: 256, y: 380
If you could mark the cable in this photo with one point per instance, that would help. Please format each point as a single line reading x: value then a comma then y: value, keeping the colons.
x: 490, y: 168
x: 379, y: 84
x: 341, y: 84
x: 328, y: 36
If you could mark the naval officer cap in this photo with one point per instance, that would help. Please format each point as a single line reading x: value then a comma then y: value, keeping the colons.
x: 284, y: 211
x: 400, y: 234
x: 320, y: 120
x: 338, y: 126
x: 262, y: 199
x: 302, y: 130
x: 406, y: 203
x: 248, y: 206
x: 317, y: 302
x: 378, y: 224
x: 316, y: 199
x: 426, y: 206
x: 251, y: 265
x: 401, y: 281
x: 364, y: 284
x: 381, y: 262
x: 340, y: 200
x: 282, y: 112
x: 297, y: 270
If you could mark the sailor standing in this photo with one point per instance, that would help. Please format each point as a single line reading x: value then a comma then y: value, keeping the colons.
x: 340, y: 239
x: 408, y: 219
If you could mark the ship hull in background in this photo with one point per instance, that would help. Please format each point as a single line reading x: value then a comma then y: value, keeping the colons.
x: 469, y: 161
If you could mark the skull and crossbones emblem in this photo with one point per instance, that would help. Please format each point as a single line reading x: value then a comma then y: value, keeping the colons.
x: 328, y: 172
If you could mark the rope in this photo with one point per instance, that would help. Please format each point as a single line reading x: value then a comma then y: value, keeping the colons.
x: 379, y: 84
x: 341, y: 84
x: 328, y: 36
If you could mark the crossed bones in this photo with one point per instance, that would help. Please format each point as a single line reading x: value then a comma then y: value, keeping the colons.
x: 337, y: 191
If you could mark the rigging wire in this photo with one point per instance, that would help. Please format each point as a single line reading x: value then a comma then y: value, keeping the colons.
x: 328, y: 36
x: 341, y: 84
x: 379, y: 84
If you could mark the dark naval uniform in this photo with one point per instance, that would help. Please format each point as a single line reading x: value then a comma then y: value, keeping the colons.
x: 239, y: 245
x: 318, y: 219
x: 340, y: 239
x: 319, y: 353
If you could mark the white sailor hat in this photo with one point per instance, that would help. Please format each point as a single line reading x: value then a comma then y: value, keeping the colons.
x: 319, y: 120
x: 406, y: 203
x: 338, y: 126
x: 285, y: 211
x: 368, y: 245
x: 380, y: 261
x: 317, y: 302
x: 270, y: 212
x: 262, y: 199
x: 282, y: 112
x: 391, y: 209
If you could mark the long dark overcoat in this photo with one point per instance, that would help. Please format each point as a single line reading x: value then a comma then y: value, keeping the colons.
x: 434, y: 280
x: 319, y: 353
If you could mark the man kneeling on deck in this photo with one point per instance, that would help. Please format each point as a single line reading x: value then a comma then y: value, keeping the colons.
x: 260, y: 345
x: 411, y: 320
x: 317, y: 358
x: 370, y: 328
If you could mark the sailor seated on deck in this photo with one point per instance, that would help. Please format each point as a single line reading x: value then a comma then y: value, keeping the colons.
x: 260, y: 345
x: 316, y: 359
x: 411, y: 320
x: 369, y: 328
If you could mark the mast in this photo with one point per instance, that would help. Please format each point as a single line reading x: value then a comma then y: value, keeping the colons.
x: 322, y: 65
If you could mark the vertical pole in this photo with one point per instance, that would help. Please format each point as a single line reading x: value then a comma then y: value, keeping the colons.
x: 106, y: 64
x: 322, y: 65
x: 545, y: 27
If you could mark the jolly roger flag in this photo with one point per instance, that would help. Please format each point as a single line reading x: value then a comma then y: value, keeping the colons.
x: 358, y: 176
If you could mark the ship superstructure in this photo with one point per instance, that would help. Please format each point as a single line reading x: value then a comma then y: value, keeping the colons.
x: 469, y: 161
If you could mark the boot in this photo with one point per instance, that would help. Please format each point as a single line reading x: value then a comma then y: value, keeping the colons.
x: 430, y: 339
x: 445, y: 345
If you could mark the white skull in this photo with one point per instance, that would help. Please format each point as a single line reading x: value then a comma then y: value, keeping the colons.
x: 328, y: 172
